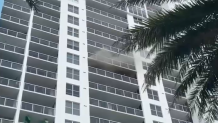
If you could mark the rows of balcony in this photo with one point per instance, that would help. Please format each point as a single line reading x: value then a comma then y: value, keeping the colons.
x: 113, y: 75
x: 44, y: 42
x: 116, y: 107
x: 101, y: 120
x: 41, y: 72
x: 108, y: 25
x: 178, y: 107
x: 179, y: 121
x: 9, y: 64
x: 45, y: 28
x: 113, y: 90
x: 14, y: 19
x: 11, y: 48
x: 6, y: 121
x: 111, y: 61
x: 172, y: 78
x: 46, y: 16
x: 9, y: 82
x: 171, y: 91
x: 8, y: 102
x: 12, y: 33
x: 43, y: 56
x: 48, y: 5
x: 106, y: 14
x: 16, y: 7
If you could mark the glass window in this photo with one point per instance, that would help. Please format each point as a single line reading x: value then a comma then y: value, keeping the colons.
x: 72, y: 58
x: 72, y: 108
x: 157, y: 122
x: 73, y: 20
x: 152, y: 94
x: 72, y: 90
x: 145, y: 65
x: 72, y: 73
x: 73, y: 9
x: 156, y: 110
x: 72, y: 44
x: 73, y: 32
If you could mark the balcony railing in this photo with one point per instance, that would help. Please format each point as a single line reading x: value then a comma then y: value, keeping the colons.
x: 113, y: 75
x: 41, y: 72
x: 111, y: 61
x: 138, y: 11
x: 48, y: 5
x: 12, y: 33
x: 114, y: 90
x: 172, y: 78
x: 107, y: 47
x: 101, y: 120
x: 6, y: 121
x: 43, y: 56
x: 106, y: 24
x: 44, y: 42
x: 14, y: 19
x: 171, y: 91
x: 46, y: 29
x: 9, y: 82
x: 8, y: 102
x: 115, y: 107
x: 11, y: 48
x: 178, y: 107
x: 46, y: 16
x: 103, y: 34
x: 17, y: 7
x: 179, y: 121
x: 109, y: 4
x: 38, y: 108
x: 39, y: 89
x: 10, y: 64
x: 106, y: 14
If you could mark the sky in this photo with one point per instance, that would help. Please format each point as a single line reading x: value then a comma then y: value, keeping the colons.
x: 1, y: 4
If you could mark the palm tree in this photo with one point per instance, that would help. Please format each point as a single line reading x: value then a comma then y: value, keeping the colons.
x: 33, y: 4
x: 185, y: 36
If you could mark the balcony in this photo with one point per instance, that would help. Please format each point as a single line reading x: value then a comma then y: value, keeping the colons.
x: 48, y: 20
x: 101, y: 37
x: 179, y: 121
x: 112, y: 79
x: 170, y: 95
x: 50, y: 9
x: 14, y: 23
x: 115, y: 112
x: 6, y: 121
x: 16, y: 10
x: 10, y: 69
x: 106, y: 6
x: 105, y: 16
x: 41, y: 60
x: 101, y: 120
x: 7, y: 107
x: 12, y: 53
x: 171, y: 81
x: 9, y: 87
x: 178, y: 111
x: 104, y: 25
x: 41, y: 77
x: 13, y: 37
x: 33, y: 93
x: 101, y: 59
x: 37, y: 112
x: 119, y: 96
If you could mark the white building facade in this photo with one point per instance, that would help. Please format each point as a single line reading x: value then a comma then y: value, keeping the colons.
x: 59, y: 66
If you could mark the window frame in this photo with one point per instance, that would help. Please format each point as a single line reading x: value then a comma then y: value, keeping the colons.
x: 155, y: 112
x: 73, y: 9
x: 72, y: 108
x: 73, y: 92
x: 73, y: 32
x: 73, y: 20
x: 71, y: 44
x: 71, y: 58
x: 152, y: 95
x: 71, y: 75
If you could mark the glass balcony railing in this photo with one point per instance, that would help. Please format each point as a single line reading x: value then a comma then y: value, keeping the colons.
x: 44, y: 42
x: 41, y: 72
x: 6, y: 121
x: 101, y: 120
x: 116, y: 107
x: 113, y: 75
x: 106, y: 24
x: 172, y: 78
x: 39, y: 89
x: 178, y: 107
x: 9, y: 82
x: 38, y: 108
x: 17, y: 7
x: 171, y: 91
x: 46, y: 29
x: 139, y: 11
x: 9, y: 64
x: 43, y: 56
x: 107, y: 47
x: 12, y: 33
x: 179, y: 121
x: 46, y: 16
x: 11, y: 48
x: 106, y: 14
x: 109, y: 4
x: 114, y: 90
x: 111, y: 61
x: 8, y: 102
x: 14, y: 19
x: 103, y: 34
x: 50, y: 6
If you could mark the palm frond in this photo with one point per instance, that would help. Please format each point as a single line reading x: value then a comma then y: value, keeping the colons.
x: 33, y: 4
